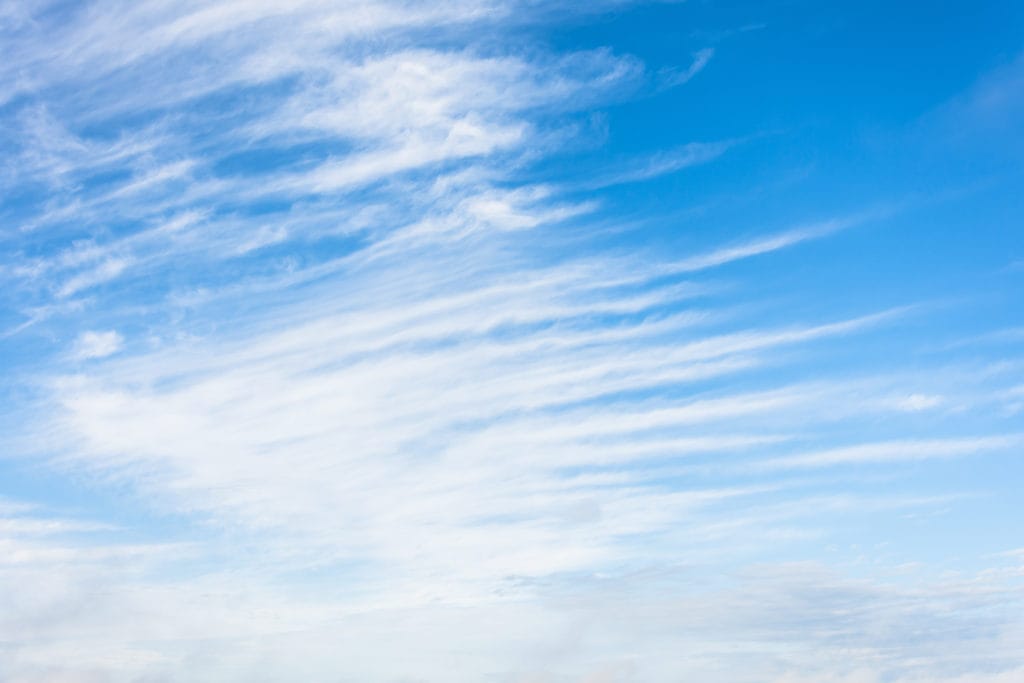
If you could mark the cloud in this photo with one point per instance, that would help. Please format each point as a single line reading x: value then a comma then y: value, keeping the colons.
x: 97, y: 344
x: 661, y: 163
x: 756, y: 247
x: 385, y: 387
x: 107, y: 611
x: 670, y: 78
x: 916, y: 402
x: 897, y: 451
x: 104, y: 272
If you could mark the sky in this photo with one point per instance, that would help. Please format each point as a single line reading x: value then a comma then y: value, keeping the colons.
x: 511, y: 341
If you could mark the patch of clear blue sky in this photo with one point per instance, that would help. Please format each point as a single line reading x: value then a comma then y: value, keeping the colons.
x: 843, y: 108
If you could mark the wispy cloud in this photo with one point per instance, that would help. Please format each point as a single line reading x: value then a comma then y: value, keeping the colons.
x: 98, y: 344
x: 672, y: 77
x: 897, y: 451
x: 759, y: 246
x: 662, y: 163
x: 293, y: 293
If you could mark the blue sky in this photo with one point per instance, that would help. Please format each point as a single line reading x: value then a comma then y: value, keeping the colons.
x: 511, y: 341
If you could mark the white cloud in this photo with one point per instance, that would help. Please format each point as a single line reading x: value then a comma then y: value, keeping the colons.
x: 895, y: 451
x: 430, y: 405
x: 917, y: 402
x: 108, y: 270
x: 671, y: 78
x: 661, y: 163
x: 93, y: 344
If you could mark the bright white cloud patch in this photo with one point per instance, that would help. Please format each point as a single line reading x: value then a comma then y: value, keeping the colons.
x: 98, y: 344
x: 915, y: 402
